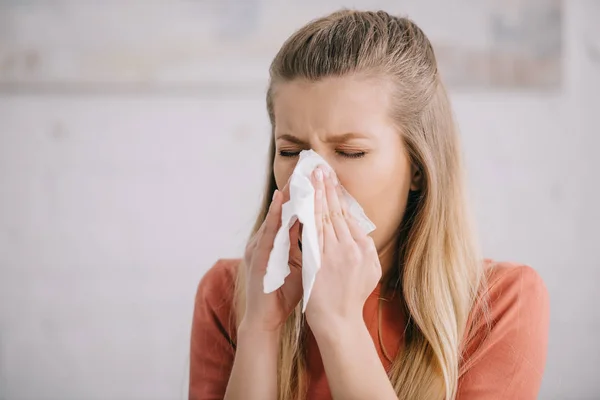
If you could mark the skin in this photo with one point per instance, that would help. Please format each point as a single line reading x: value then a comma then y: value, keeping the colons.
x: 341, y: 117
x: 347, y: 121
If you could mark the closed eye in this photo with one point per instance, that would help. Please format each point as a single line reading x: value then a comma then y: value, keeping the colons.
x: 357, y: 154
x: 285, y: 153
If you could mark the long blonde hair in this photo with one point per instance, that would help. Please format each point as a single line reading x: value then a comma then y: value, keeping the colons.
x: 438, y: 269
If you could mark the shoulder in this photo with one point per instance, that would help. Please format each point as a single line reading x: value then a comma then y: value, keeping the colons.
x: 510, y: 292
x: 217, y: 287
x: 213, y: 333
x: 512, y: 285
x: 221, y: 275
x: 509, y: 322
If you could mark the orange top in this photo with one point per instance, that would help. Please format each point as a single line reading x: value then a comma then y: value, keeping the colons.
x: 506, y: 362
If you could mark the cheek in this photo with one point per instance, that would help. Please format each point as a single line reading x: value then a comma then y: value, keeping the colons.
x: 385, y: 206
x: 382, y: 193
x: 382, y: 199
x: 282, y: 169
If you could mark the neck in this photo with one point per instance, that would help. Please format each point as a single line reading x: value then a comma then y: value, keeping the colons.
x: 387, y: 256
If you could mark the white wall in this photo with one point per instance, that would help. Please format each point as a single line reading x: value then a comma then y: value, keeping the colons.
x: 114, y: 202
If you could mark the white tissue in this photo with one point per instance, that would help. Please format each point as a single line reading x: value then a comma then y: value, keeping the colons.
x: 301, y: 206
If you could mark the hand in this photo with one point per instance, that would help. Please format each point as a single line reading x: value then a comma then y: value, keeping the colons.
x: 268, y: 311
x: 350, y: 268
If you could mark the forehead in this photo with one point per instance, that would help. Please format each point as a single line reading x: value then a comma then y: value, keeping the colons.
x: 336, y: 104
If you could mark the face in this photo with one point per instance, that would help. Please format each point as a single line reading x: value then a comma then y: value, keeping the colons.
x: 347, y: 121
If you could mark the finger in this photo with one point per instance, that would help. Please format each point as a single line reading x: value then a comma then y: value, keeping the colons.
x: 317, y: 180
x: 252, y: 242
x: 271, y: 224
x: 356, y: 231
x: 335, y: 209
x: 259, y: 232
x: 283, y: 191
x: 371, y: 244
x: 328, y: 231
x: 254, y: 239
x: 343, y: 203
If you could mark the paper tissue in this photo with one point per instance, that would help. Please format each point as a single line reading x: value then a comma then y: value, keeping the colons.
x: 301, y: 206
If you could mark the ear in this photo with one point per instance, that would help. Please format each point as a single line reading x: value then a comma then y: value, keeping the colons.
x: 416, y: 178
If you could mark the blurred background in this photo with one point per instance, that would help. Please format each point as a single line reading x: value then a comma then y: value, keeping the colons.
x: 133, y: 142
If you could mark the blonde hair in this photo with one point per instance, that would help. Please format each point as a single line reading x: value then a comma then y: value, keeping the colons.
x: 439, y: 269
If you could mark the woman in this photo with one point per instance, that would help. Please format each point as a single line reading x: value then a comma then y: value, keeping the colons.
x: 410, y: 311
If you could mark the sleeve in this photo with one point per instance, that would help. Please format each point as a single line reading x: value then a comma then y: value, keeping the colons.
x: 212, y: 342
x: 506, y: 359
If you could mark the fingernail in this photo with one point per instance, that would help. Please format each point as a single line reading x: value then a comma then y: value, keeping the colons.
x: 319, y: 174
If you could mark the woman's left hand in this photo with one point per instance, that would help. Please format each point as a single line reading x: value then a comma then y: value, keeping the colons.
x: 350, y: 268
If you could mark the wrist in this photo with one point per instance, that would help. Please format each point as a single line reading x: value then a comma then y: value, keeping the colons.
x: 254, y: 333
x: 257, y: 344
x: 333, y: 328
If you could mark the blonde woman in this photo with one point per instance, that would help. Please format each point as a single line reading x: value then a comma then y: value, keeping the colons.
x: 410, y: 311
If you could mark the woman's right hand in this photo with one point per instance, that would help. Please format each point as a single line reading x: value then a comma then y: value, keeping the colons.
x: 268, y: 311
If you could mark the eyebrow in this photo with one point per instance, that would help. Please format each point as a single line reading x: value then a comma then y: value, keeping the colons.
x: 334, y: 139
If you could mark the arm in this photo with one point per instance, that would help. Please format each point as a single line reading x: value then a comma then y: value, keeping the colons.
x: 254, y: 373
x: 350, y: 269
x: 219, y: 367
x: 212, y: 347
x: 352, y: 365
